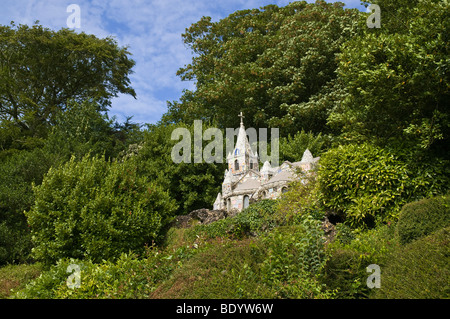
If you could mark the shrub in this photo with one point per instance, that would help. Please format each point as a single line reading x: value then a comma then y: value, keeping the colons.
x: 363, y: 182
x: 302, y: 199
x: 226, y: 269
x: 350, y: 254
x: 419, y: 269
x: 259, y: 217
x: 96, y: 209
x: 345, y: 273
x: 344, y: 233
x: 192, y: 185
x: 15, y: 244
x: 420, y: 218
x: 129, y: 276
x: 294, y: 259
x: 281, y: 263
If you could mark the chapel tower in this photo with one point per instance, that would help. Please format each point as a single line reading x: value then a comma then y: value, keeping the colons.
x: 242, y: 158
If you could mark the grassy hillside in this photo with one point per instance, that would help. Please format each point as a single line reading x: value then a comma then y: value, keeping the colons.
x: 258, y: 254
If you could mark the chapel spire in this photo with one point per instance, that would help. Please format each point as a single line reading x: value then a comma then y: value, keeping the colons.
x: 242, y: 159
x: 241, y: 116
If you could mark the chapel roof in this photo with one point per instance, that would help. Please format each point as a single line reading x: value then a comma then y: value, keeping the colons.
x: 249, y: 184
x: 281, y: 176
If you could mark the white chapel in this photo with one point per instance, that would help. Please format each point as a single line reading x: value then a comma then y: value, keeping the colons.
x: 244, y: 181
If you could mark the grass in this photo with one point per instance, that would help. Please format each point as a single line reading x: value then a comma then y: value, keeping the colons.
x: 15, y: 277
x: 217, y: 272
x: 418, y: 270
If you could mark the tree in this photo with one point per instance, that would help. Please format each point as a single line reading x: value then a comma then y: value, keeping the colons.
x: 84, y: 129
x: 268, y: 63
x: 17, y: 173
x: 397, y: 80
x: 293, y: 147
x: 192, y: 185
x: 41, y: 69
x: 79, y: 130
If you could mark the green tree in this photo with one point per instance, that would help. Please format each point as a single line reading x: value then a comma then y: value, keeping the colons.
x: 41, y: 69
x: 17, y: 173
x: 79, y: 130
x: 293, y: 147
x: 397, y: 80
x: 268, y: 63
x: 192, y: 185
x: 83, y: 128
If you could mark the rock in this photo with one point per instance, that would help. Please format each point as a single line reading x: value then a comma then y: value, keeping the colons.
x: 201, y: 216
x: 329, y: 229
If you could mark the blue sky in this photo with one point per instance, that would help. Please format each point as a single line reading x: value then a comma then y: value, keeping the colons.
x: 151, y: 29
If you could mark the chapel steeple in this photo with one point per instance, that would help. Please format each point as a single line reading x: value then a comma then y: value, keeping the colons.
x: 242, y: 159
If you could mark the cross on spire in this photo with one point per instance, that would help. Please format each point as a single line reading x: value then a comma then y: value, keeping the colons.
x: 241, y: 116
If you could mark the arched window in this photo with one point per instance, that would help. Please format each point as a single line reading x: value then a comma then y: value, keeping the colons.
x: 246, y: 201
x: 228, y: 204
x: 236, y: 165
x: 284, y: 190
x: 236, y: 152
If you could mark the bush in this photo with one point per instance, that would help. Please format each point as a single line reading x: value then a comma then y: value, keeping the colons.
x: 364, y: 183
x: 259, y: 217
x: 294, y: 259
x: 129, y: 276
x: 192, y: 185
x: 15, y: 244
x: 345, y: 273
x: 350, y: 254
x: 418, y: 219
x: 281, y: 263
x: 419, y: 269
x: 302, y: 199
x: 225, y: 269
x: 96, y: 209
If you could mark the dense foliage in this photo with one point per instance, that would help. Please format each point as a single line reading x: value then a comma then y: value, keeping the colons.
x: 95, y: 209
x: 54, y: 89
x: 292, y: 147
x: 42, y: 69
x: 193, y: 185
x: 396, y: 78
x: 267, y: 63
x: 81, y: 130
x: 367, y: 184
x: 363, y: 182
x: 423, y: 217
x: 418, y: 270
x: 101, y: 194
